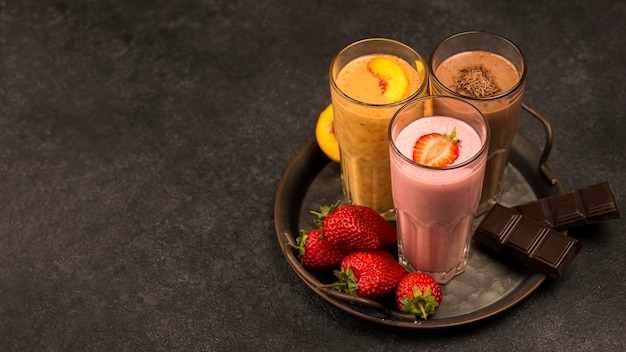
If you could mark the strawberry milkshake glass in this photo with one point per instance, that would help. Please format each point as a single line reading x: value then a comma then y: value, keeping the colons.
x: 436, y: 200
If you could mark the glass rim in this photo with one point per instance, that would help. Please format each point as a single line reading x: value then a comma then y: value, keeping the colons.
x: 484, y: 146
x: 420, y: 89
x: 515, y: 87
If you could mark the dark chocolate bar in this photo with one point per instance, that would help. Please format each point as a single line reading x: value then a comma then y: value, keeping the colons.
x: 538, y: 247
x: 576, y: 208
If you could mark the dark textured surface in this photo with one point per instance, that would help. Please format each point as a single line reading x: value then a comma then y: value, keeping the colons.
x: 142, y: 143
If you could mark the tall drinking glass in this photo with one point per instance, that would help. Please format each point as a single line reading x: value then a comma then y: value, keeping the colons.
x: 369, y: 80
x: 489, y: 72
x: 436, y: 205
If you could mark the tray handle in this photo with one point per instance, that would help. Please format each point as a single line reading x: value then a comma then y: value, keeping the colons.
x: 543, y: 160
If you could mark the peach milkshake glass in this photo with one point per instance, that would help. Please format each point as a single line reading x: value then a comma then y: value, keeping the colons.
x: 489, y: 72
x: 438, y: 152
x: 369, y: 81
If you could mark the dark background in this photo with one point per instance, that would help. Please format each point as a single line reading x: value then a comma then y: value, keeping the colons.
x: 142, y: 144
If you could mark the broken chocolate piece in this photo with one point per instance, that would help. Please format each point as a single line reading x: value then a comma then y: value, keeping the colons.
x: 576, y: 208
x: 516, y: 236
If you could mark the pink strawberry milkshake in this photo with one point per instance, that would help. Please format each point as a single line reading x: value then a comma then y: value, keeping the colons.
x: 435, y: 207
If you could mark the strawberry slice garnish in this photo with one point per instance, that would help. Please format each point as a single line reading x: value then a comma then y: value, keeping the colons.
x: 436, y: 149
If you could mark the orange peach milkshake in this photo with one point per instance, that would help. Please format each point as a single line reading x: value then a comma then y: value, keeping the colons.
x: 369, y: 82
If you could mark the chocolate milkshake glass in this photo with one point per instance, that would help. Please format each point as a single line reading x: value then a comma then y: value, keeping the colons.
x: 489, y: 72
x: 369, y: 81
x: 436, y: 205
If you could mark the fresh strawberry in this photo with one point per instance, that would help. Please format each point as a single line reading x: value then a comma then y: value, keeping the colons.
x: 436, y: 150
x: 370, y: 275
x: 346, y: 229
x: 419, y: 294
x: 316, y: 253
x: 386, y: 233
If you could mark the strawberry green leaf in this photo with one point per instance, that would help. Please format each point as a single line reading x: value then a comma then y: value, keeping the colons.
x: 420, y: 304
x: 346, y: 282
x: 325, y: 211
x: 301, y: 241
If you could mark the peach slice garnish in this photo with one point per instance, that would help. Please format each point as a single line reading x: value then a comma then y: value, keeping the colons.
x: 325, y: 134
x: 392, y: 80
x: 419, y: 67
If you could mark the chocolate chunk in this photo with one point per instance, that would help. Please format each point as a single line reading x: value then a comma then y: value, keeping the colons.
x: 576, y: 208
x: 516, y: 236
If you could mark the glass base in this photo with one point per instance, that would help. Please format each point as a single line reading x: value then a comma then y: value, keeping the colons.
x: 486, y: 206
x: 389, y: 215
x: 442, y: 277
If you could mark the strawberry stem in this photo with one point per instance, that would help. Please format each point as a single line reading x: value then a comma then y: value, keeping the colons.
x: 346, y: 283
x: 325, y: 211
x: 301, y: 241
x: 451, y: 137
x: 421, y: 305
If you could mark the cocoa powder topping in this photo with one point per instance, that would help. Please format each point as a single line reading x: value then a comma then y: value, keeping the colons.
x: 475, y: 81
